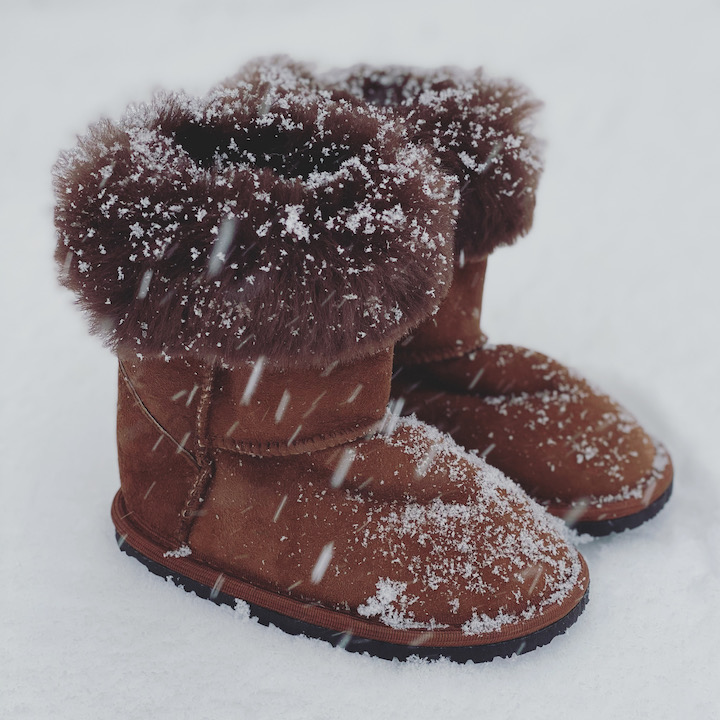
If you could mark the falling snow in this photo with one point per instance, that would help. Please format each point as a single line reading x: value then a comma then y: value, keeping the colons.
x: 615, y: 200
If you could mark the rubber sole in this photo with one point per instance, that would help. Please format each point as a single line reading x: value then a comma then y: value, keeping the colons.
x: 602, y: 528
x: 353, y: 643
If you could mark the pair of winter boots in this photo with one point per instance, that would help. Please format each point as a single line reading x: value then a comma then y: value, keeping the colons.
x: 272, y: 263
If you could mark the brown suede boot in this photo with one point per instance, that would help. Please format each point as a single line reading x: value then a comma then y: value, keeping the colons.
x: 252, y: 258
x: 570, y: 446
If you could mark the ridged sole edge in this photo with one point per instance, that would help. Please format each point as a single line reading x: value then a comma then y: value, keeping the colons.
x: 353, y: 643
x: 602, y: 528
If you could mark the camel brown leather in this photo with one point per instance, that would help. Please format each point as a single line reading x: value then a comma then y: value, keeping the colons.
x: 360, y: 521
x: 454, y: 329
x: 569, y: 446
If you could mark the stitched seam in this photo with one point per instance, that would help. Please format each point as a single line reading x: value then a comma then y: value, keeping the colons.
x: 146, y: 412
x: 316, y: 442
x: 191, y: 510
x: 204, y: 409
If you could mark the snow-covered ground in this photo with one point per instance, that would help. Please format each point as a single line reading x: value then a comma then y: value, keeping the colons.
x: 619, y: 278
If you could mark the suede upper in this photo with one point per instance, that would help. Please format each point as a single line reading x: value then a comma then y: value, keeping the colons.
x: 397, y: 535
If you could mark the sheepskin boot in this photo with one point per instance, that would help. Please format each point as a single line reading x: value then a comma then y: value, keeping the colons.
x: 252, y: 257
x: 570, y: 446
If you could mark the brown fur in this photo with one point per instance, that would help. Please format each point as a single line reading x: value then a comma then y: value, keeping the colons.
x: 273, y: 75
x: 253, y: 223
x: 479, y: 129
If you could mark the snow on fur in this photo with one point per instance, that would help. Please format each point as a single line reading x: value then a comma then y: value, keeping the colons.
x: 274, y: 76
x: 255, y: 221
x: 479, y: 130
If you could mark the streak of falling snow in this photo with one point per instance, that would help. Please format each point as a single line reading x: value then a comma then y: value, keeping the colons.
x: 344, y: 640
x: 314, y: 405
x: 422, y: 639
x: 144, y: 285
x: 487, y: 450
x: 248, y: 339
x: 184, y: 440
x: 217, y: 587
x: 342, y: 468
x: 477, y: 377
x: 576, y: 511
x: 66, y: 264
x: 647, y: 495
x: 318, y: 572
x: 536, y: 580
x: 424, y: 465
x: 355, y: 393
x: 362, y: 527
x: 294, y: 435
x: 279, y: 508
x: 393, y: 416
x: 253, y: 380
x: 221, y: 246
x: 329, y: 369
x: 191, y: 395
x: 282, y: 406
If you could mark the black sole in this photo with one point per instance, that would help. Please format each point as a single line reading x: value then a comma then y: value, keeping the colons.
x: 352, y: 643
x: 601, y: 528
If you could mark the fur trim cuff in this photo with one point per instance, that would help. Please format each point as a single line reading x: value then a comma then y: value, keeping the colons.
x: 253, y: 223
x: 478, y: 128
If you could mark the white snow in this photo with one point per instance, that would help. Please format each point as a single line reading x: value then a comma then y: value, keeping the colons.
x: 253, y: 381
x: 617, y: 278
x: 221, y: 246
x: 321, y: 565
x: 390, y: 605
x: 343, y: 466
x: 182, y: 551
x: 282, y: 406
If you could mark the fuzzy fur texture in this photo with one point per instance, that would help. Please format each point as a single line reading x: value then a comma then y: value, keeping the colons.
x: 275, y: 76
x: 480, y: 131
x: 257, y: 221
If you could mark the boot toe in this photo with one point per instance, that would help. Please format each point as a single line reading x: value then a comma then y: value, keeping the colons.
x: 570, y: 446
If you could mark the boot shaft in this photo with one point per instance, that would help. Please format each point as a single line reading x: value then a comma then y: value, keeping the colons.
x: 454, y: 329
x: 174, y: 416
